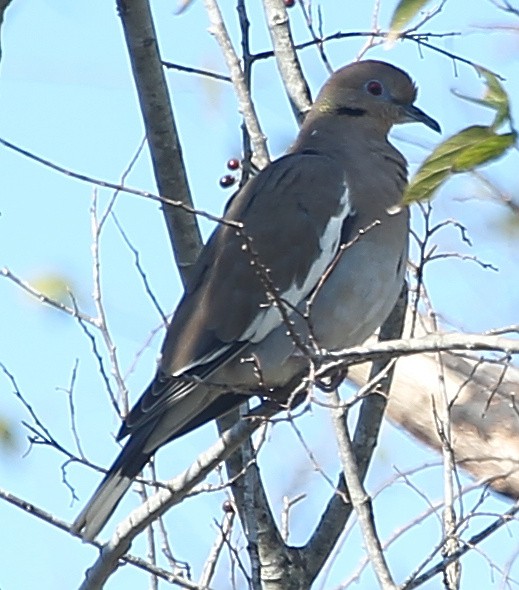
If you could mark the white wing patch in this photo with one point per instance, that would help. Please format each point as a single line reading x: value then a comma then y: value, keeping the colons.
x: 270, y: 318
x: 202, y: 360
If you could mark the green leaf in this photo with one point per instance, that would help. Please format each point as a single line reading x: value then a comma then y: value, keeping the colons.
x: 495, y: 97
x: 6, y: 435
x: 403, y: 14
x: 483, y: 152
x: 464, y: 151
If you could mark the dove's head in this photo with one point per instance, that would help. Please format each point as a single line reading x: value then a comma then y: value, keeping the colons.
x: 373, y: 91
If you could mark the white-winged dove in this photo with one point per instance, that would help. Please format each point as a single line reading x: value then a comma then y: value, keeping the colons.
x: 341, y: 182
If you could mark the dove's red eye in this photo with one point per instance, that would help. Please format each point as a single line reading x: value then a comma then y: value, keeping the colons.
x: 374, y: 87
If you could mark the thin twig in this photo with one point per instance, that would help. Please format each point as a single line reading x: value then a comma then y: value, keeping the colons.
x: 118, y: 187
x: 97, y: 296
x: 42, y: 298
x: 224, y: 531
x: 72, y: 410
x: 375, y: 27
x: 199, y: 71
x: 288, y: 504
x: 34, y: 510
x: 141, y: 271
x: 501, y: 520
x: 359, y: 498
x: 307, y: 13
x: 245, y: 105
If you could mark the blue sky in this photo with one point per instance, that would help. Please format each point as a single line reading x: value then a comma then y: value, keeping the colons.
x: 66, y: 93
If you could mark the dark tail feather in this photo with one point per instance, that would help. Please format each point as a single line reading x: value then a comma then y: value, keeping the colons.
x: 221, y: 406
x: 126, y: 467
x: 131, y: 461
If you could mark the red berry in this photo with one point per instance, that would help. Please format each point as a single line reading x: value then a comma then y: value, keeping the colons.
x: 227, y: 181
x: 289, y: 3
x: 233, y: 164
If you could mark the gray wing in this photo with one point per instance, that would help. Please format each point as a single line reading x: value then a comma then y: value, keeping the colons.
x: 285, y: 210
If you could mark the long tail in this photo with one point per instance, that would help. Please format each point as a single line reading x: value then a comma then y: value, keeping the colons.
x: 126, y: 467
x: 133, y: 458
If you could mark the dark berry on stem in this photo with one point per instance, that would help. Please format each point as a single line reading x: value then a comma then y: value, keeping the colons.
x: 233, y: 164
x: 227, y: 506
x: 227, y: 180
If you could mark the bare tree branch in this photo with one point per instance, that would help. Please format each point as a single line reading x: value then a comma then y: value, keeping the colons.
x: 161, y: 131
x: 358, y: 496
x: 436, y: 342
x: 338, y: 510
x: 245, y: 104
x: 287, y: 59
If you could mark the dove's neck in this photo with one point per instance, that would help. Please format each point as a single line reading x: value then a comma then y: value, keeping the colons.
x: 361, y: 146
